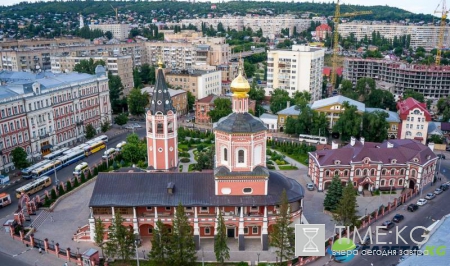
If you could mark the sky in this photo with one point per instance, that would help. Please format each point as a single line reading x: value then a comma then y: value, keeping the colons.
x: 415, y: 6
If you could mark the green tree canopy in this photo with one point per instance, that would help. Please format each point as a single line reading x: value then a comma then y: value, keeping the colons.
x: 346, y: 209
x: 222, y: 108
x: 137, y: 80
x: 90, y: 131
x: 302, y: 98
x: 348, y: 91
x: 115, y: 92
x: 182, y: 244
x: 383, y: 99
x: 364, y: 86
x: 414, y: 94
x: 256, y: 93
x: 279, y: 99
x: 121, y: 119
x: 333, y: 195
x: 349, y: 123
x: 88, y: 66
x: 283, y: 237
x: 19, y: 158
x: 137, y: 101
x: 134, y: 150
x: 375, y: 126
x: 160, y: 251
x: 221, y: 248
x: 120, y: 239
x: 190, y: 100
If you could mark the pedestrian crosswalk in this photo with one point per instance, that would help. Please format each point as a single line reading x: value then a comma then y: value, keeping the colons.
x: 40, y: 219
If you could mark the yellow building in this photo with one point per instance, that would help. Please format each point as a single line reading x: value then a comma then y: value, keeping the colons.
x: 290, y: 111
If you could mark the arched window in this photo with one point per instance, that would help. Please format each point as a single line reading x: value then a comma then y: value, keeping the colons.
x: 358, y: 172
x: 383, y: 182
x: 372, y: 172
x: 383, y: 172
x: 408, y: 133
x: 365, y: 172
x: 327, y: 173
x: 392, y: 171
x: 336, y: 173
x: 413, y: 173
x: 241, y: 156
x: 391, y: 182
x: 402, y: 171
x: 225, y: 154
x: 345, y: 172
x: 160, y: 128
x: 418, y: 134
x: 400, y: 182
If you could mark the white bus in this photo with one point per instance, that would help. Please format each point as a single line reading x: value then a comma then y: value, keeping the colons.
x: 34, y: 186
x: 47, y: 169
x: 109, y: 153
x: 101, y: 137
x: 120, y: 146
x: 80, y: 168
x: 313, y: 139
x: 26, y: 173
x: 72, y: 157
x: 55, y: 154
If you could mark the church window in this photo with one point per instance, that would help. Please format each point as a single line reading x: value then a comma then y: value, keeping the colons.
x: 241, y: 156
x: 170, y: 127
x: 247, y: 190
x: 254, y: 230
x: 160, y: 128
x: 207, y: 230
x: 225, y: 154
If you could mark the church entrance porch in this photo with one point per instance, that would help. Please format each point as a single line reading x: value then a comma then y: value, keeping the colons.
x: 231, y: 232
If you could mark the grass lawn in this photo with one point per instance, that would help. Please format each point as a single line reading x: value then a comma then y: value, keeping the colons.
x: 287, y: 167
x: 302, y: 158
x: 191, y: 168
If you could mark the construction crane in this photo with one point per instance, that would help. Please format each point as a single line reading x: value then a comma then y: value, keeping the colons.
x: 117, y: 16
x: 337, y: 16
x: 443, y: 13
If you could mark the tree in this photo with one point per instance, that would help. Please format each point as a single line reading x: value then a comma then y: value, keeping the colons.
x: 256, y: 93
x: 88, y: 66
x: 19, y: 158
x: 436, y: 139
x: 115, y: 92
x: 334, y: 194
x: 414, y: 94
x: 160, y: 244
x: 222, y: 108
x: 190, y: 100
x: 182, y: 243
x: 105, y: 126
x: 364, y: 87
x: 99, y: 233
x: 282, y: 237
x: 346, y: 209
x: 221, y: 248
x: 375, y: 126
x: 120, y: 239
x: 90, y: 131
x: 108, y: 35
x: 121, y: 119
x: 137, y: 78
x: 302, y: 98
x: 290, y: 127
x: 379, y: 98
x: 249, y: 69
x: 347, y: 90
x: 134, y: 150
x: 137, y: 101
x: 279, y: 99
x: 443, y: 103
x: 349, y: 123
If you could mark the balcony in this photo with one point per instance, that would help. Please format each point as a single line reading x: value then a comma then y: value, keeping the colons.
x: 79, y: 123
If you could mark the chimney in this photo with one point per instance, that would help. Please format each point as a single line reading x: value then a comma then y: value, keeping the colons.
x: 362, y: 140
x: 431, y: 146
x: 352, y: 141
x: 170, y: 187
x: 390, y: 145
x: 334, y: 145
x: 288, y: 104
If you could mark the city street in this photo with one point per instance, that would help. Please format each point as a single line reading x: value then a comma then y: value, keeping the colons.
x: 65, y: 173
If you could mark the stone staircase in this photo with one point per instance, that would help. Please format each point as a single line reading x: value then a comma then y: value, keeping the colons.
x: 40, y: 219
x: 367, y: 193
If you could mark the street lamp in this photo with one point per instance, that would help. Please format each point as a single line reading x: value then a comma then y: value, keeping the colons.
x: 56, y: 177
x: 107, y: 157
x: 390, y: 192
x: 137, y: 241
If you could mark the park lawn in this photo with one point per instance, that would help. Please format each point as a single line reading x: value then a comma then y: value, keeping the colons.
x: 301, y: 158
x: 191, y: 168
x: 287, y: 167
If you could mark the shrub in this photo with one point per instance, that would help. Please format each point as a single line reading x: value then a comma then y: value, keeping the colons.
x: 115, y: 165
x: 83, y: 178
x: 75, y: 182
x: 47, y: 201
x: 68, y: 186
x: 61, y: 190
x: 95, y: 171
x: 185, y: 160
x: 53, y: 194
x: 89, y: 175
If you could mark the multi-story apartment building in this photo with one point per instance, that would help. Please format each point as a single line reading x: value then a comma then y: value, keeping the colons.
x: 37, y: 55
x: 414, y: 117
x: 270, y: 25
x: 184, y: 55
x: 200, y: 83
x: 432, y: 81
x: 423, y: 36
x: 121, y: 66
x: 393, y: 164
x: 119, y: 31
x: 179, y: 99
x: 184, y: 36
x: 297, y: 70
x: 40, y: 111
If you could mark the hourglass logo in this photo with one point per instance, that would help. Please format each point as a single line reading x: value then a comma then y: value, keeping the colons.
x: 309, y: 240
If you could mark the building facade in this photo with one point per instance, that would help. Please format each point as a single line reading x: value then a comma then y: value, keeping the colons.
x: 240, y: 188
x: 414, y: 117
x: 119, y: 31
x: 431, y: 81
x: 297, y: 70
x: 200, y: 83
x: 393, y: 164
x: 322, y: 31
x: 45, y: 111
x: 426, y: 36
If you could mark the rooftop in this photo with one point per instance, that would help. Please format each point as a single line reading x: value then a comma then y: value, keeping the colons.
x: 172, y: 92
x: 240, y: 123
x: 293, y: 110
x: 189, y: 72
x: 393, y: 116
x: 339, y: 99
x: 405, y: 106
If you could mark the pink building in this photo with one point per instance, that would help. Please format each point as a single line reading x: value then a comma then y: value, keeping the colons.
x: 322, y: 31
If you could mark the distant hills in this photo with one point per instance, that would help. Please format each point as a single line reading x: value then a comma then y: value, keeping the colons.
x: 167, y: 10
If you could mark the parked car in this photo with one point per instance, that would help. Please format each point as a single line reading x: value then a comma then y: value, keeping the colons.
x: 136, y: 125
x: 444, y: 187
x: 387, y: 225
x: 438, y: 191
x: 310, y: 186
x: 413, y: 207
x: 128, y: 127
x: 365, y: 241
x: 441, y: 156
x: 422, y: 202
x: 430, y: 196
x: 398, y: 218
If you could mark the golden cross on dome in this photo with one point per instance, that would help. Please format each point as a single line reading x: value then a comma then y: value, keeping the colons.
x: 160, y: 63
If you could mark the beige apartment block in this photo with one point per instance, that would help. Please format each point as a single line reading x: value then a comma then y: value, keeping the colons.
x: 119, y: 31
x: 200, y: 83
x: 423, y: 36
x: 299, y: 69
x: 432, y: 81
x: 184, y: 36
x: 121, y: 66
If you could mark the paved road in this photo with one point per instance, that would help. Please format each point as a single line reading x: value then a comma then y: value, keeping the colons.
x: 7, y: 260
x: 67, y: 172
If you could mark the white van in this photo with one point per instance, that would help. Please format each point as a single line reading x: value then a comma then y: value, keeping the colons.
x: 109, y: 153
x: 120, y: 146
x: 80, y: 168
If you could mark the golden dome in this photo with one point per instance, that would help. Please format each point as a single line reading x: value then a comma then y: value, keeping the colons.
x: 240, y: 86
x: 160, y: 63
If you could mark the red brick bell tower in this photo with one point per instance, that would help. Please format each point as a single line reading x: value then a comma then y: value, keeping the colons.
x: 161, y: 120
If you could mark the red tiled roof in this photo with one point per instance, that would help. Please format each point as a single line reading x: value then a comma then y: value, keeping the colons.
x: 327, y: 71
x: 403, y: 150
x: 207, y: 99
x: 405, y: 106
x: 323, y: 27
